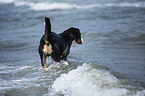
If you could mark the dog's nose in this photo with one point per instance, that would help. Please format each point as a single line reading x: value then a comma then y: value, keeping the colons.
x: 80, y: 41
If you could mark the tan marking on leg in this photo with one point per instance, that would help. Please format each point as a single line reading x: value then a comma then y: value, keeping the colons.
x: 45, y: 66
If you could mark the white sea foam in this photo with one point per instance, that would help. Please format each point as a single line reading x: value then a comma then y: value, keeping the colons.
x: 13, y: 69
x: 126, y: 4
x: 38, y: 6
x: 88, y: 81
x: 7, y: 1
x: 55, y: 65
x: 53, y: 6
x: 18, y: 82
x: 46, y: 5
x: 22, y: 3
x: 62, y: 6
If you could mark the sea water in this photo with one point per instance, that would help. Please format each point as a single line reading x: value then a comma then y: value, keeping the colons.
x: 110, y: 62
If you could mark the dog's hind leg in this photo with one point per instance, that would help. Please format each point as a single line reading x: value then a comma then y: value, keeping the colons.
x: 43, y: 60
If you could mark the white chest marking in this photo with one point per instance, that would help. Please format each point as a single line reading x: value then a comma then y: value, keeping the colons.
x: 47, y: 49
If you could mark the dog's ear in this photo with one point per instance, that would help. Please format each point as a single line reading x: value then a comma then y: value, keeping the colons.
x: 79, y: 40
x: 78, y: 30
x: 78, y: 33
x: 47, y: 25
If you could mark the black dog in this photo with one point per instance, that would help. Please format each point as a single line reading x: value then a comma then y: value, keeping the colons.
x: 57, y: 45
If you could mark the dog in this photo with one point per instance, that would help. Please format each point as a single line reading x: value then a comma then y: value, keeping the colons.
x: 57, y: 45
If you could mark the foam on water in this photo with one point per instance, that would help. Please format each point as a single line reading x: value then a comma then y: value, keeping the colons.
x: 47, y: 5
x: 7, y: 1
x: 88, y: 81
x: 126, y: 4
x: 18, y: 77
x: 38, y: 6
x: 17, y: 82
x: 63, y: 6
x: 13, y: 69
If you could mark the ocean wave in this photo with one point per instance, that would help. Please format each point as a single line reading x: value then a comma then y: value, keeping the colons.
x: 39, y: 6
x: 126, y: 4
x: 7, y: 1
x: 13, y: 69
x: 46, y: 5
x: 22, y: 82
x: 63, y: 6
x: 88, y: 81
x: 53, y: 6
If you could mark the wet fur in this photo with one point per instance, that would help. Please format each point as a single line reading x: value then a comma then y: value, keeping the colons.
x: 57, y: 45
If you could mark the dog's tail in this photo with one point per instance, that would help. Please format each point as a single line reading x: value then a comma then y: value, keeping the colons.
x: 47, y: 28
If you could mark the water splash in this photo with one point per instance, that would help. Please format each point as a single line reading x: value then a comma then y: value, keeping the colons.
x: 88, y: 81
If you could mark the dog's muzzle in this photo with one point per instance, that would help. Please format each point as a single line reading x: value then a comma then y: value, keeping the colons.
x: 80, y: 41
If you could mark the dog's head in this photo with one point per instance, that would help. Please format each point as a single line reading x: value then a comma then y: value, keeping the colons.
x: 76, y: 35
